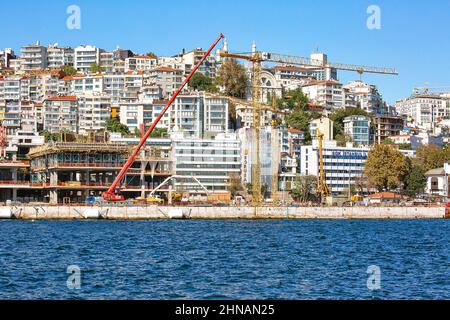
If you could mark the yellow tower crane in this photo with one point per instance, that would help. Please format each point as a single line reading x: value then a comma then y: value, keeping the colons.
x: 322, y: 188
x: 257, y: 58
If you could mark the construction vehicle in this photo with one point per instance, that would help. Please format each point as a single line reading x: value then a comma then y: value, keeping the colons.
x: 113, y: 193
x: 257, y: 58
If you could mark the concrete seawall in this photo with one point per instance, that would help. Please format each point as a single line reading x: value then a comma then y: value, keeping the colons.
x: 154, y: 212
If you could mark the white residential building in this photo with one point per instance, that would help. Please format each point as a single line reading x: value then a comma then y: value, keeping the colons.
x: 328, y: 94
x: 93, y: 110
x: 34, y: 57
x: 364, y: 96
x: 199, y: 113
x: 424, y: 110
x: 58, y: 57
x: 86, y: 56
x: 140, y: 63
x: 61, y: 114
x: 438, y: 182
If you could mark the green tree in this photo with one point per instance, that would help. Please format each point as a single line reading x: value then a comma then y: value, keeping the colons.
x: 431, y: 157
x: 339, y: 115
x: 158, y: 133
x: 235, y: 185
x: 96, y: 68
x: 386, y: 167
x: 293, y: 99
x: 304, y: 188
x: 151, y: 55
x: 415, y: 181
x: 201, y: 82
x: 342, y: 139
x: 233, y: 77
x: 48, y: 136
x: 114, y: 125
x: 69, y: 70
x: 300, y: 120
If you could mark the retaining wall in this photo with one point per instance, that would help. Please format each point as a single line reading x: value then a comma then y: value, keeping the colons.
x: 154, y: 212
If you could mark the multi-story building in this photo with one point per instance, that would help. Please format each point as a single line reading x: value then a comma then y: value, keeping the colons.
x: 365, y: 96
x: 44, y: 84
x: 34, y: 57
x: 191, y: 58
x: 61, y: 114
x: 199, y: 114
x: 296, y: 139
x: 328, y: 94
x: 169, y: 79
x: 424, y: 110
x: 82, y: 84
x: 140, y: 63
x: 358, y: 129
x: 205, y: 165
x: 5, y: 56
x: 93, y: 110
x: 386, y: 126
x: 15, y: 88
x: 58, y: 57
x: 86, y: 56
x: 324, y: 125
x: 291, y: 77
x: 343, y: 165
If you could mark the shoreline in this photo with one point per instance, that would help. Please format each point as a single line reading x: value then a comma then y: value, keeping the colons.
x: 37, y: 212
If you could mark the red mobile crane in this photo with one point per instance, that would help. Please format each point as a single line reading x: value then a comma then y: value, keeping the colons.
x: 113, y: 192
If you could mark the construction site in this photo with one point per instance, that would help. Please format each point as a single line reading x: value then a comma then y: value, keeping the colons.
x: 106, y: 173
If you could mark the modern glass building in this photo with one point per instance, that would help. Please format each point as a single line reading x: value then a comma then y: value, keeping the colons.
x: 358, y: 129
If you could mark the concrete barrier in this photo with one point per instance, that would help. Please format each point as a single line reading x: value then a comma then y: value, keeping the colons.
x: 155, y: 212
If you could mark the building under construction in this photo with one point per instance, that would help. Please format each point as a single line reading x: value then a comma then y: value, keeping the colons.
x: 71, y: 172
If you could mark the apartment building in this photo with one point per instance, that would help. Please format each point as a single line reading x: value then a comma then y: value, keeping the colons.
x: 191, y: 58
x: 386, y: 126
x: 244, y: 115
x: 58, y: 57
x: 89, y: 83
x: 424, y: 110
x: 34, y: 57
x: 199, y: 114
x: 169, y: 79
x: 85, y: 56
x: 365, y: 96
x: 93, y: 110
x: 358, y: 129
x: 44, y: 84
x: 205, y: 165
x: 61, y: 114
x: 14, y: 88
x: 292, y: 77
x: 5, y: 56
x: 324, y: 125
x: 140, y: 63
x: 328, y: 94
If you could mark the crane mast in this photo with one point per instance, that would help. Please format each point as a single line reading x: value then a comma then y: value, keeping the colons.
x: 113, y: 192
x: 323, y: 187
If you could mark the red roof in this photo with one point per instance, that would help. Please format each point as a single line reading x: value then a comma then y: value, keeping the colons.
x: 63, y: 98
x: 294, y: 68
x: 385, y: 195
x: 143, y: 57
x: 169, y: 69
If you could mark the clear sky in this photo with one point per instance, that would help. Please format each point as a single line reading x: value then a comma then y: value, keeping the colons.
x: 414, y: 35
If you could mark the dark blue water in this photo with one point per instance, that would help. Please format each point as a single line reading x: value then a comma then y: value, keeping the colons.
x: 225, y: 259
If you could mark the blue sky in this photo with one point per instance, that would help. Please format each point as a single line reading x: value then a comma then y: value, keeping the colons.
x: 414, y: 35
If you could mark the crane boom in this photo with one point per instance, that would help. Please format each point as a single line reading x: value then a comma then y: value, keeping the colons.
x: 302, y: 61
x: 113, y: 192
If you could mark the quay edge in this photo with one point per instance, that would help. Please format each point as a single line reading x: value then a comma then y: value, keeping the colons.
x: 29, y: 212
